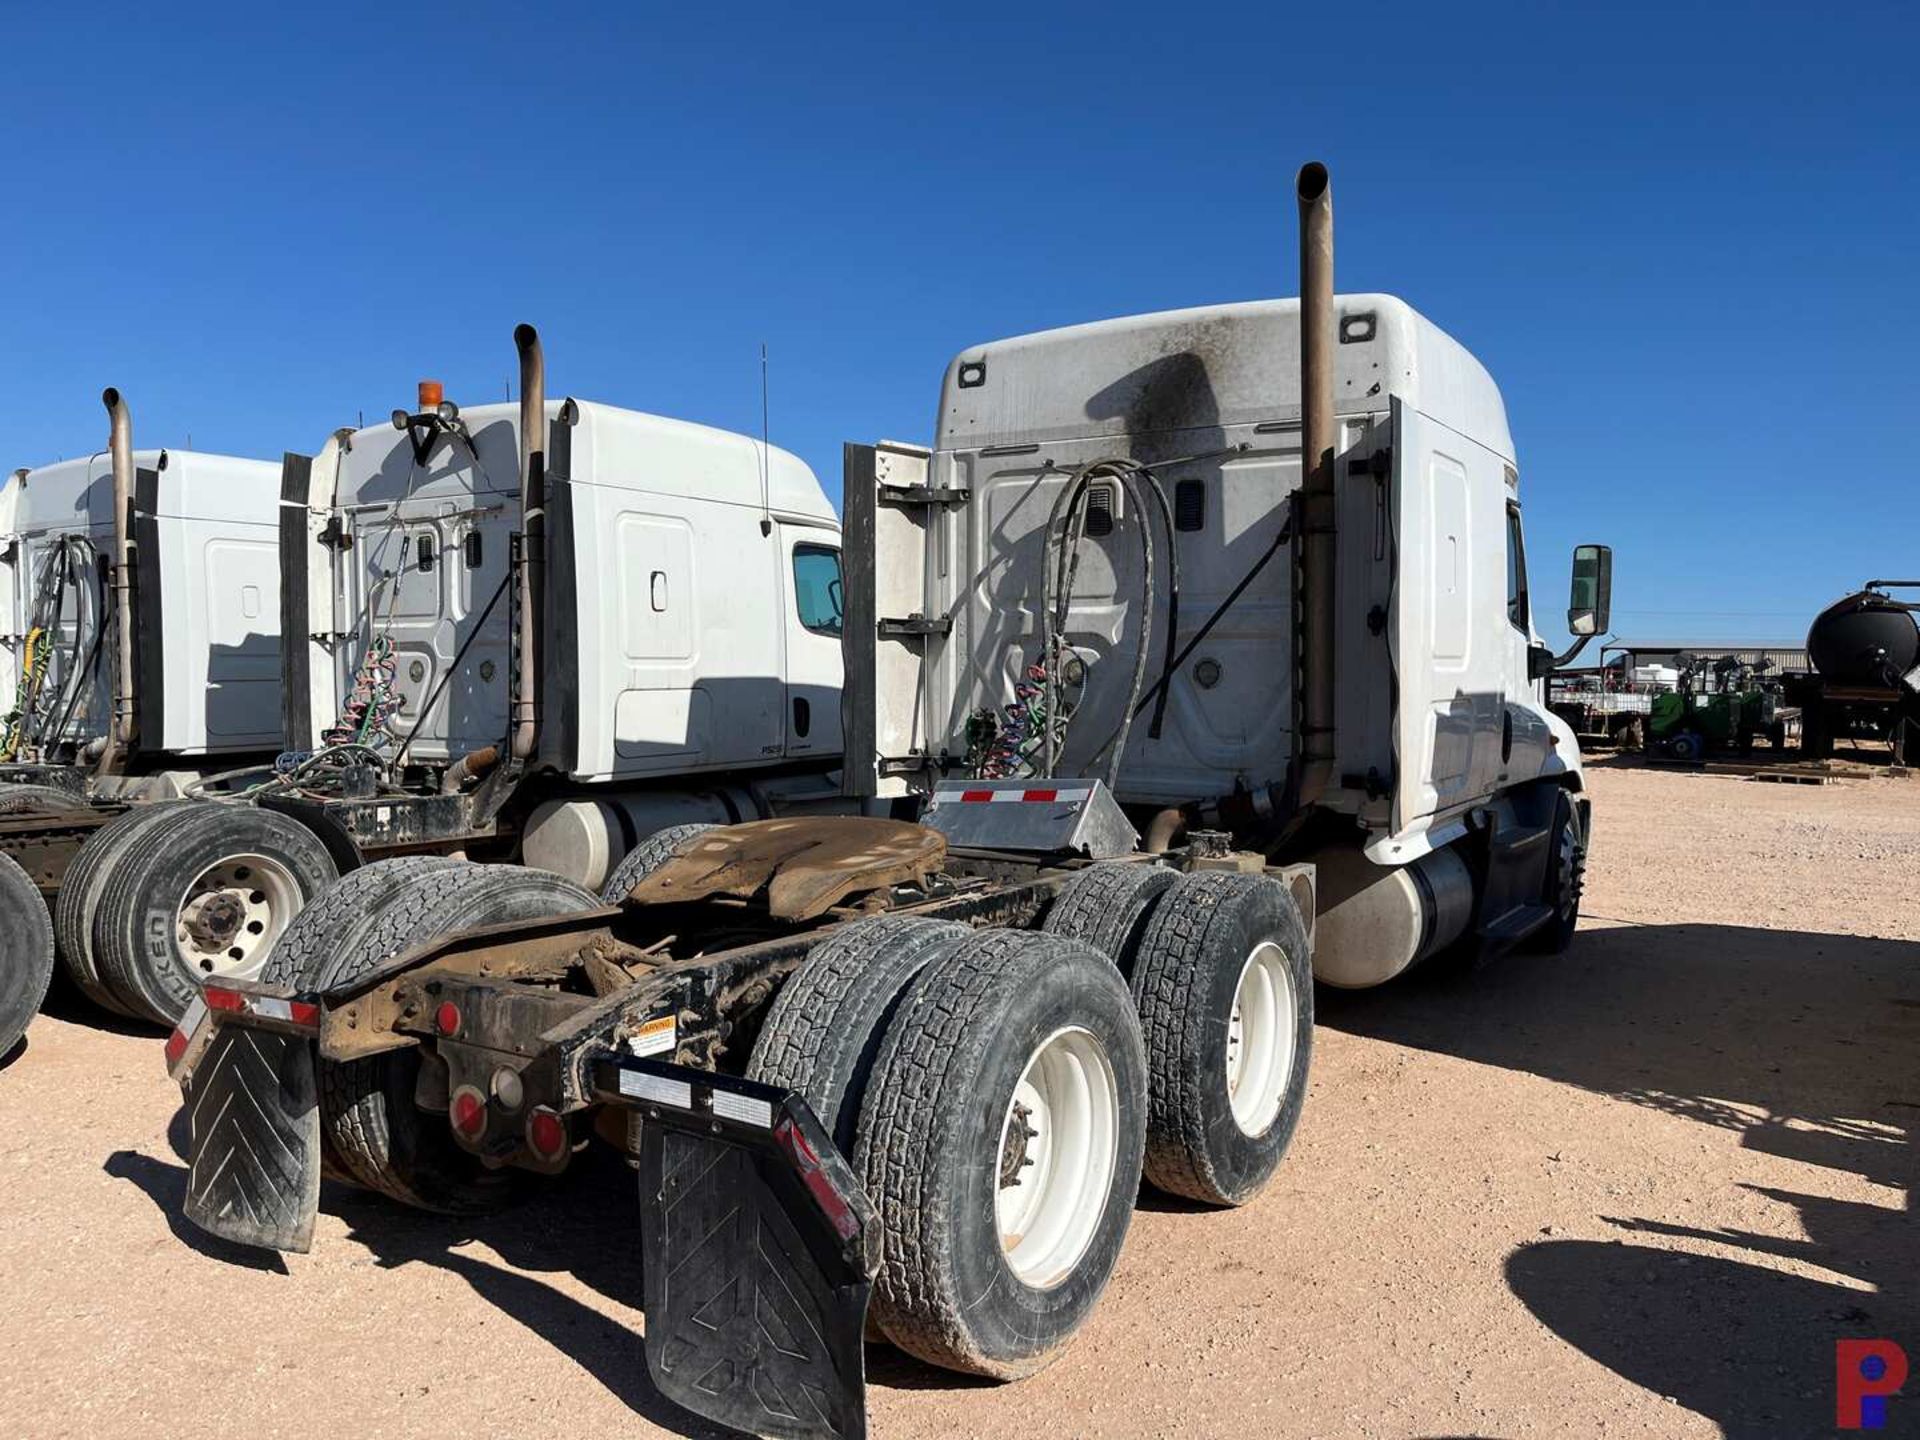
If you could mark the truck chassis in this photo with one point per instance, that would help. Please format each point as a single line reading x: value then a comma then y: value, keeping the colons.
x: 635, y: 1023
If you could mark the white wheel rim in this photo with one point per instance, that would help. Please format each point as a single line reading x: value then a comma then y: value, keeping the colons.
x: 1260, y: 1039
x: 231, y: 914
x: 1059, y: 1142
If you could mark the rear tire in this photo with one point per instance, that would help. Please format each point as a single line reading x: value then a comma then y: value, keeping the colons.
x: 1225, y: 990
x: 367, y: 1110
x: 646, y: 857
x: 1014, y: 1057
x: 335, y: 918
x: 23, y: 799
x: 204, y: 890
x: 78, y: 904
x: 1108, y: 906
x: 26, y: 952
x: 825, y: 1027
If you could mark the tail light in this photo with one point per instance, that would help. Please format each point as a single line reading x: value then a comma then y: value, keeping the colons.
x: 819, y: 1183
x: 468, y: 1112
x: 446, y: 1019
x: 547, y: 1134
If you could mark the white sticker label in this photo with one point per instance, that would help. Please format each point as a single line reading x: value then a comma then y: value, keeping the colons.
x: 657, y: 1036
x: 743, y: 1109
x: 657, y: 1089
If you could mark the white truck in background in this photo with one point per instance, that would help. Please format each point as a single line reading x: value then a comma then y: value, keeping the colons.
x: 535, y: 632
x: 1195, y: 659
x: 139, y: 654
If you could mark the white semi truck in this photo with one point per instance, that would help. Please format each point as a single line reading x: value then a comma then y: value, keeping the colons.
x: 139, y: 654
x: 1194, y: 658
x: 652, y: 640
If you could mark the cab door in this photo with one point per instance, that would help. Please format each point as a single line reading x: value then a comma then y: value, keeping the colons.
x: 815, y: 603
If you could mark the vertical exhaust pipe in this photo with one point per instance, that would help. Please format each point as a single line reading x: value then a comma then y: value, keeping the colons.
x: 122, y: 735
x: 532, y: 585
x: 1318, y: 438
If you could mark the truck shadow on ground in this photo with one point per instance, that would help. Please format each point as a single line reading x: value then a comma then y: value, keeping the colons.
x: 1807, y: 1046
x: 585, y: 1226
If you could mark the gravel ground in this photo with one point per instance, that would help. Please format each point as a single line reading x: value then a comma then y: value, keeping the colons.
x: 1638, y: 1190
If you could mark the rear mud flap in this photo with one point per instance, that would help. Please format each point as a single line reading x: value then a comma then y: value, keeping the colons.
x: 254, y: 1175
x: 759, y: 1251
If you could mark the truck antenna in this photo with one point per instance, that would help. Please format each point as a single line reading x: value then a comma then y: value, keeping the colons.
x: 766, y: 459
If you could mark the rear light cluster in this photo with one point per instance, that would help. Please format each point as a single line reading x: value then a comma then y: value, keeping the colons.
x: 547, y: 1134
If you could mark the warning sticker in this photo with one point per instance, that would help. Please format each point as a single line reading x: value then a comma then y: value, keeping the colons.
x: 657, y: 1036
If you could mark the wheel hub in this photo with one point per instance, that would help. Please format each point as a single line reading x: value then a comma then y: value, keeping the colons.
x: 214, y: 918
x: 1013, y: 1147
x: 1057, y: 1152
x: 1566, y: 873
x: 232, y: 913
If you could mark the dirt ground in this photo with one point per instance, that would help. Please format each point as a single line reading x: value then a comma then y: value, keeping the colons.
x: 1638, y: 1190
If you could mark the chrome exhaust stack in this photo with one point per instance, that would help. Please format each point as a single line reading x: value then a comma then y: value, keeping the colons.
x: 531, y: 586
x: 123, y: 734
x: 1318, y: 439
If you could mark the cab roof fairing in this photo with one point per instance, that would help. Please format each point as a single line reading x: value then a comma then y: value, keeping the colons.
x: 1207, y: 368
x: 614, y: 447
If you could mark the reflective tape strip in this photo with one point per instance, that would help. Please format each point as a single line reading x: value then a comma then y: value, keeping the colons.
x: 658, y: 1089
x: 744, y: 1109
x: 266, y: 1007
x: 1030, y: 797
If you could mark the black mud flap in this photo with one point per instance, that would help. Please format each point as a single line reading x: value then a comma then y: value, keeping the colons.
x: 254, y: 1176
x: 759, y: 1250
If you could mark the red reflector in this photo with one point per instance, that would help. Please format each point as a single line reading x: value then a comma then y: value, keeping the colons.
x: 1039, y: 794
x: 973, y: 795
x: 447, y: 1018
x: 547, y: 1134
x: 832, y: 1203
x: 304, y: 1012
x: 176, y: 1047
x: 468, y: 1111
x: 228, y: 1000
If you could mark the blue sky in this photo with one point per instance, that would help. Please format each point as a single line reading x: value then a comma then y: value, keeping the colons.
x: 1682, y: 238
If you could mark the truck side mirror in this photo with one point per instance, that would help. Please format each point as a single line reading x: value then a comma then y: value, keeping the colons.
x: 1590, y: 605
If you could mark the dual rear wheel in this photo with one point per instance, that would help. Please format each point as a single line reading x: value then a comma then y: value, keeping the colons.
x: 1002, y: 1093
x: 173, y: 894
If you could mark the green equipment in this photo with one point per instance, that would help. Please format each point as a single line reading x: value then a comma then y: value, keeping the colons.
x: 1720, y: 705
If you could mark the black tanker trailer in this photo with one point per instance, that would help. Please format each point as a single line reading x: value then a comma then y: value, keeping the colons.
x: 1865, y: 652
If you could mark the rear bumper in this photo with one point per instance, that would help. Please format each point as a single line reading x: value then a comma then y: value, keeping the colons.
x: 759, y: 1246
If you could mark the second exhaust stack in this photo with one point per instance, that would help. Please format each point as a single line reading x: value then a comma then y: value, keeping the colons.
x: 1318, y: 439
x: 533, y: 541
x: 121, y: 737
